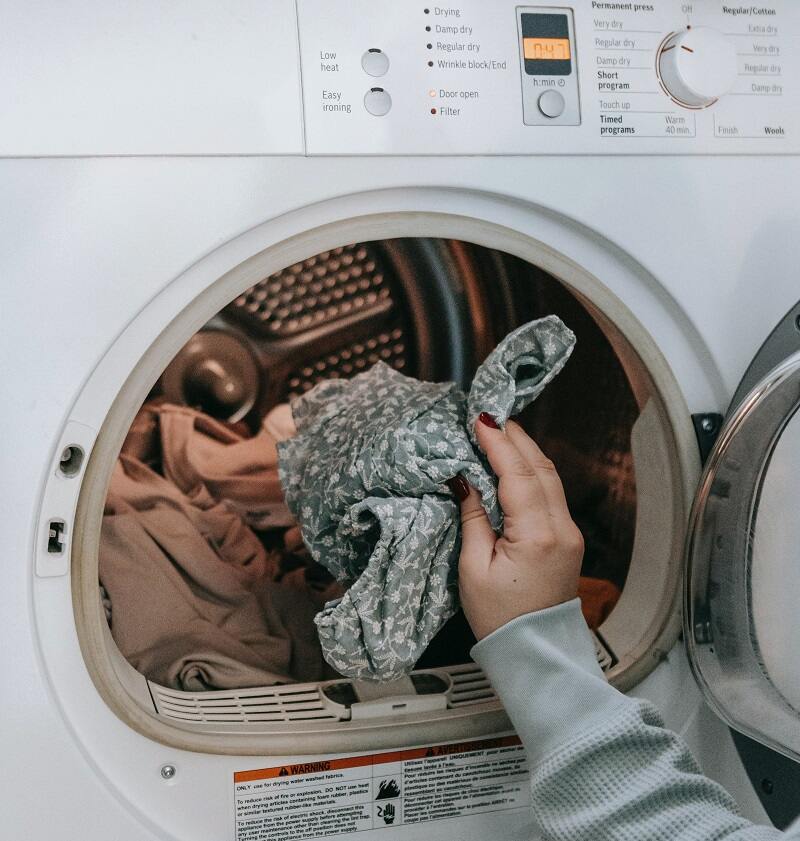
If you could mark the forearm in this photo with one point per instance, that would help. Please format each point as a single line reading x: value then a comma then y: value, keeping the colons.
x: 603, y: 768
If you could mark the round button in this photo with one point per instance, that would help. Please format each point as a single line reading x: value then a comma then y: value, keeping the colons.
x: 377, y: 101
x: 375, y: 62
x: 551, y: 104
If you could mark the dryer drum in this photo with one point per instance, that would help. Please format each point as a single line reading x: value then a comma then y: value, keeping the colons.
x: 421, y: 306
x: 433, y: 309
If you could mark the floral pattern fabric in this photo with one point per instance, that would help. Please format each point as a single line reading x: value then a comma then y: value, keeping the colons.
x: 366, y: 475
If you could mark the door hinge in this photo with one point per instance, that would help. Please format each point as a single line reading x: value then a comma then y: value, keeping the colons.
x: 706, y: 427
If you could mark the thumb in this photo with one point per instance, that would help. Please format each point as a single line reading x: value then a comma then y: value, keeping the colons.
x: 477, y: 536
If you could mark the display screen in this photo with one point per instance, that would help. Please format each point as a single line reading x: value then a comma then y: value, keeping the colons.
x: 545, y: 44
x: 546, y: 49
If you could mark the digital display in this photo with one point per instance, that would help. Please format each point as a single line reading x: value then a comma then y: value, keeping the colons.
x: 545, y: 44
x: 546, y: 49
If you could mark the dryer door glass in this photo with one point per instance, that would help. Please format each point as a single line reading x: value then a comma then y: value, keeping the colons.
x: 741, y: 618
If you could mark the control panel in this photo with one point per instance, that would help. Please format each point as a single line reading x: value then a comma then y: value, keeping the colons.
x: 593, y: 77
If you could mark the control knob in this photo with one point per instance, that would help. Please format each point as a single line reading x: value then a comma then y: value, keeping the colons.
x: 697, y: 66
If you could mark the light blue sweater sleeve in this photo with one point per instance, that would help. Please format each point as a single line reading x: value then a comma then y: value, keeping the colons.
x: 603, y: 767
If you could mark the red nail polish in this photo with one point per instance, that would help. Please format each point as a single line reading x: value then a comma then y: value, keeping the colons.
x: 487, y: 420
x: 459, y: 486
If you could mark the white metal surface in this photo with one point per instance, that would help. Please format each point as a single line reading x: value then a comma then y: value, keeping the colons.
x: 121, y: 78
x: 703, y: 252
x: 95, y: 268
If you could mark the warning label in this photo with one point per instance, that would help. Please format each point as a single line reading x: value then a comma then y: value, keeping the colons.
x: 356, y: 793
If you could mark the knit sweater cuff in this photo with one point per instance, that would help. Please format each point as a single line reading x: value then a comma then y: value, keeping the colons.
x: 544, y: 668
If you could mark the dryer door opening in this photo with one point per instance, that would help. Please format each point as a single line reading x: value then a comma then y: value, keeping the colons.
x: 743, y: 554
x: 202, y: 656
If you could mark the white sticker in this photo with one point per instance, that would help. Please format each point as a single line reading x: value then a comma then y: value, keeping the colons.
x: 375, y: 791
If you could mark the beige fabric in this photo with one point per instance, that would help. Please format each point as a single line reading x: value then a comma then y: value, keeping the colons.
x: 198, y: 451
x: 194, y: 603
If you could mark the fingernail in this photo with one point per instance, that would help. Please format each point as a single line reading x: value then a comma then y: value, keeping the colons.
x: 487, y: 420
x: 459, y: 486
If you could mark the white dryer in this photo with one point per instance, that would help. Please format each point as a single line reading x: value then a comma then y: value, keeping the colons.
x: 295, y: 188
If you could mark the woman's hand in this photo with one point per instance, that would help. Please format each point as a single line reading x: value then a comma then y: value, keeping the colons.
x: 537, y: 561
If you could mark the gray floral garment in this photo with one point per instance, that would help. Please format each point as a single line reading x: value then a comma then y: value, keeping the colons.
x: 365, y: 478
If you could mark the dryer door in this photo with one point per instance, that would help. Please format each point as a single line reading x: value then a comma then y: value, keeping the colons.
x: 742, y: 583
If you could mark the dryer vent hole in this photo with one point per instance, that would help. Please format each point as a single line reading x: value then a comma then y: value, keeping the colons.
x: 71, y: 460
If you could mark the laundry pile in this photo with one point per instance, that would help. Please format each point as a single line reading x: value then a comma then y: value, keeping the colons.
x: 220, y: 552
x: 366, y: 476
x: 197, y: 600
